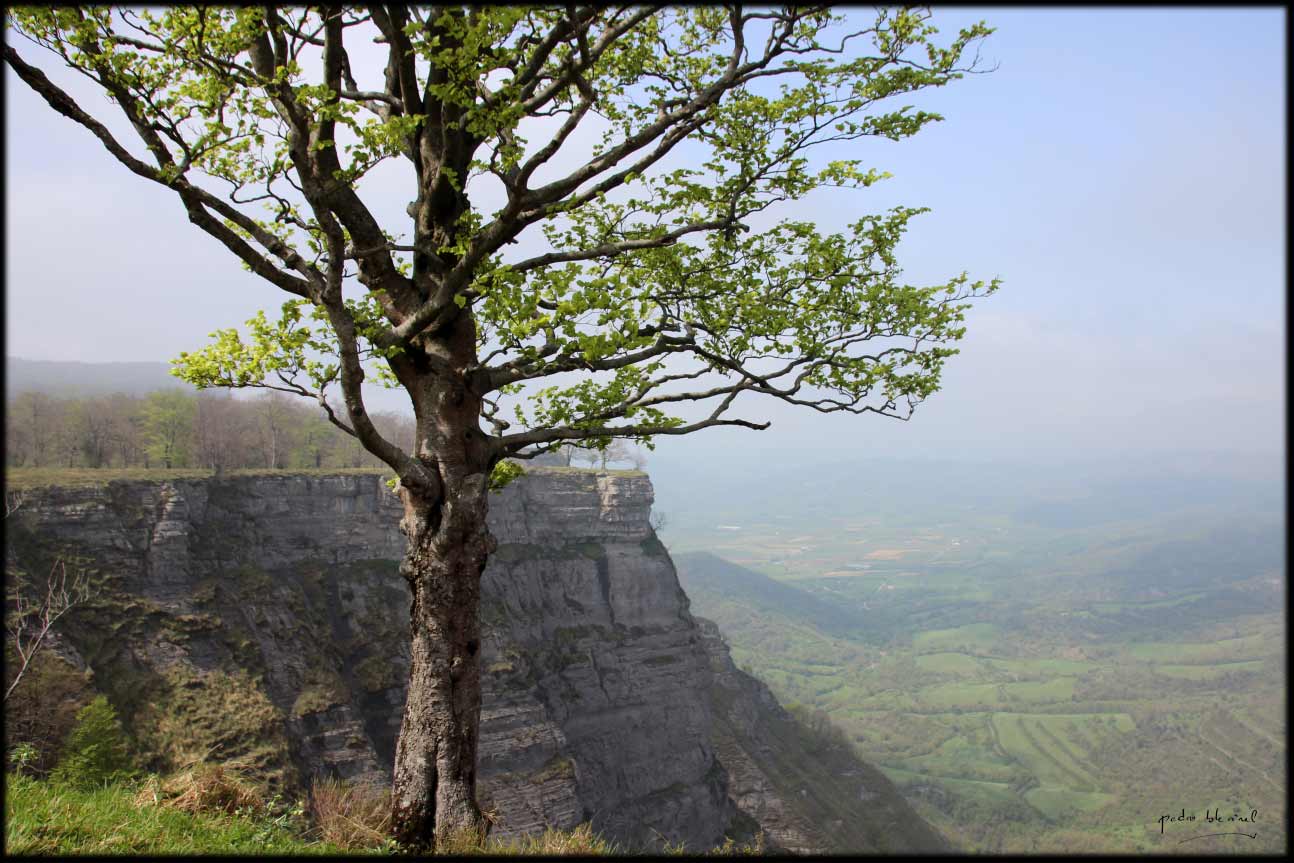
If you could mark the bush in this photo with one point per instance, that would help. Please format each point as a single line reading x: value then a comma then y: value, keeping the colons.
x: 96, y: 752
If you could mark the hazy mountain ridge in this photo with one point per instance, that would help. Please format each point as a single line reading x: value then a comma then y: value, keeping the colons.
x: 69, y: 378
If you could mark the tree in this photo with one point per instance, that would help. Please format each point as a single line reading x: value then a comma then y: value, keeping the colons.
x: 29, y: 428
x: 614, y: 451
x: 273, y: 415
x: 127, y: 428
x: 662, y: 280
x: 316, y: 442
x: 219, y: 431
x: 168, y: 427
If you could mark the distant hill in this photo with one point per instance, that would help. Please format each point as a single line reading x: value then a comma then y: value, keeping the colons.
x: 704, y: 576
x: 66, y: 378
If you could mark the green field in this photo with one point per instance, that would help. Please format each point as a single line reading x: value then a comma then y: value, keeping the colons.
x: 1033, y: 699
x: 969, y: 637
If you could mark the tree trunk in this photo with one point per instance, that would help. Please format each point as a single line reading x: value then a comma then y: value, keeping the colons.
x: 434, y: 788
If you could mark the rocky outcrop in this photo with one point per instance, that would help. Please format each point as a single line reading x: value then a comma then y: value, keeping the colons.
x: 262, y: 619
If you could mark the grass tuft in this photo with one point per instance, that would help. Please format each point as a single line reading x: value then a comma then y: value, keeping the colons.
x: 579, y: 842
x: 352, y: 816
x: 204, y: 788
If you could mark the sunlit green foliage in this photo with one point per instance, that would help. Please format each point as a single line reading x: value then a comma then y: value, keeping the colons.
x: 168, y: 428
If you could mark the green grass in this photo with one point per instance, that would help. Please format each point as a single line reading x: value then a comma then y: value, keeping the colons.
x: 960, y: 756
x: 1041, y: 691
x: 974, y: 635
x: 949, y: 663
x: 1041, y: 667
x: 1228, y: 649
x: 962, y: 695
x: 1058, y: 802
x: 48, y: 818
x: 1025, y: 741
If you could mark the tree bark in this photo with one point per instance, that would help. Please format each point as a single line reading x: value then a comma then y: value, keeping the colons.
x: 434, y: 788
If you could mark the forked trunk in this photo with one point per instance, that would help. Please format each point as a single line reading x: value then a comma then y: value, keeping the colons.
x: 434, y: 789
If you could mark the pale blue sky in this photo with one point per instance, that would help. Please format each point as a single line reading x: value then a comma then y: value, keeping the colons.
x: 1122, y: 170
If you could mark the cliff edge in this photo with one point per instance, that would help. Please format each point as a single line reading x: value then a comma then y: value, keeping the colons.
x: 261, y: 618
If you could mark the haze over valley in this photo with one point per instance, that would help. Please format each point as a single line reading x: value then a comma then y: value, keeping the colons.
x: 1042, y: 660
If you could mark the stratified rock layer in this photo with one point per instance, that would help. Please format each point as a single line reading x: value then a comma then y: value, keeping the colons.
x: 262, y: 618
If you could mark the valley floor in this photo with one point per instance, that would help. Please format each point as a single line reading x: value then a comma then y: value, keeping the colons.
x: 1037, y: 699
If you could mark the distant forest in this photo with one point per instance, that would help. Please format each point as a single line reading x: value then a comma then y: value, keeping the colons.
x: 214, y: 430
x: 176, y: 429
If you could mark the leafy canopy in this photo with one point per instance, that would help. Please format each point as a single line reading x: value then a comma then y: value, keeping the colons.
x: 592, y: 201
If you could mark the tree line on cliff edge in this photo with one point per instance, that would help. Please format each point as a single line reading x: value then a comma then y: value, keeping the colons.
x: 170, y: 428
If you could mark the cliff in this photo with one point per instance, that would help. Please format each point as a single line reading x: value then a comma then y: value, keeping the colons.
x: 261, y: 618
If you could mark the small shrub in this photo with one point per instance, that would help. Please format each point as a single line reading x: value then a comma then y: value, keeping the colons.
x: 96, y: 752
x: 353, y: 816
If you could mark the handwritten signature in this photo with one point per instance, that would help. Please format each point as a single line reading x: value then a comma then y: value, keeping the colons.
x: 1212, y: 816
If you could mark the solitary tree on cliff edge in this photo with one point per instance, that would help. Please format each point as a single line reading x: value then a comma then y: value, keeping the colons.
x: 663, y: 282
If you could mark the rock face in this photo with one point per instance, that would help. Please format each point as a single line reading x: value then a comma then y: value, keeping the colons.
x: 262, y: 618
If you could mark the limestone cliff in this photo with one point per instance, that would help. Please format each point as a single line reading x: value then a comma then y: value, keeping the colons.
x: 262, y: 618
